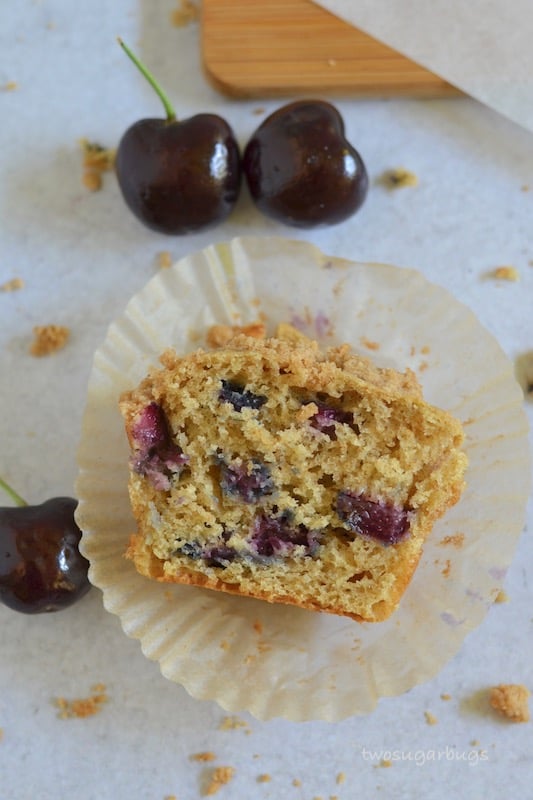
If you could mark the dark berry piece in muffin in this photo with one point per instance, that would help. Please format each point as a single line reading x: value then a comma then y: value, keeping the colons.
x: 373, y: 519
x: 219, y: 555
x: 247, y: 481
x: 155, y: 455
x: 276, y: 536
x: 325, y: 418
x: 239, y: 396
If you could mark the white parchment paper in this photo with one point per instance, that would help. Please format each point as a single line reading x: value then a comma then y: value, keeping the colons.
x: 482, y: 46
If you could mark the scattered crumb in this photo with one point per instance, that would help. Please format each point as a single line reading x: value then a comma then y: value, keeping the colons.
x: 423, y: 366
x: 385, y: 762
x: 258, y: 627
x: 1, y: 734
x: 445, y: 696
x: 296, y: 782
x: 425, y: 349
x: 264, y: 778
x: 232, y: 723
x: 341, y: 777
x: 96, y: 161
x: 164, y: 259
x: 447, y: 568
x: 259, y: 110
x: 504, y: 274
x: 431, y: 719
x: 187, y: 12
x: 398, y: 178
x: 369, y: 344
x: 474, y: 742
x: 12, y: 285
x: 206, y: 756
x: 511, y: 700
x: 82, y: 707
x: 219, y: 777
x: 501, y: 597
x: 454, y: 541
x: 170, y: 797
x: 48, y: 338
x: 220, y: 335
x: 525, y: 187
x: 10, y: 86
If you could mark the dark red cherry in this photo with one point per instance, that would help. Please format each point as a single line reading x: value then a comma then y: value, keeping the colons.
x: 41, y: 567
x: 300, y: 168
x: 178, y: 176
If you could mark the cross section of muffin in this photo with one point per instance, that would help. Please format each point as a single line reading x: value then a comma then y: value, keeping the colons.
x: 272, y: 469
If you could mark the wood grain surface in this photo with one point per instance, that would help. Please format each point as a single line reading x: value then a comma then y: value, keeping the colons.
x: 254, y: 48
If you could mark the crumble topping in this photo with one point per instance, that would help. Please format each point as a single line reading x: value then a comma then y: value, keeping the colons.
x: 220, y: 335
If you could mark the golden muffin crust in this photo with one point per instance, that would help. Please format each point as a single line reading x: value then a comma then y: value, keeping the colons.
x: 271, y: 469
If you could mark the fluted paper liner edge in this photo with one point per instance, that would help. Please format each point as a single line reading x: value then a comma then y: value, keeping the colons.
x: 281, y: 661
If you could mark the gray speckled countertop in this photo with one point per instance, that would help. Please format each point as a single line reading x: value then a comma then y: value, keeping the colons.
x: 81, y: 256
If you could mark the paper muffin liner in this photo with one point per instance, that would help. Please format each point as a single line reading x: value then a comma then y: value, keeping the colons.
x: 282, y: 661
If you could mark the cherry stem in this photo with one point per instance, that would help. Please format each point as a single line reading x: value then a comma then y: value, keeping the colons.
x: 17, y: 499
x: 171, y: 114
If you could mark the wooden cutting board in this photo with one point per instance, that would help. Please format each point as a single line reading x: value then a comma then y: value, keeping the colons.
x: 254, y: 48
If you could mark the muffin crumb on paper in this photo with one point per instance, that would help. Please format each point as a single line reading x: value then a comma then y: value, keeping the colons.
x: 82, y: 707
x: 511, y: 700
x: 232, y: 724
x: 186, y: 12
x: 96, y: 160
x: 12, y: 285
x: 398, y: 178
x: 205, y: 756
x: 218, y: 778
x: 505, y: 273
x: 48, y: 339
x: 501, y: 597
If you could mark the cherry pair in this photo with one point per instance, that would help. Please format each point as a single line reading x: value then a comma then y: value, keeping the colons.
x: 183, y: 176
